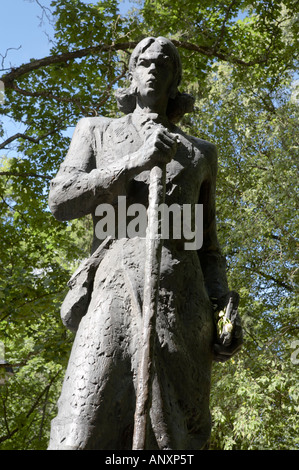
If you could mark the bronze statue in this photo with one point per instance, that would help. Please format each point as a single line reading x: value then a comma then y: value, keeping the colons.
x: 111, y: 160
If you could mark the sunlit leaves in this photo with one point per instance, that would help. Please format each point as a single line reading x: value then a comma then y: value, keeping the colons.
x: 240, y: 67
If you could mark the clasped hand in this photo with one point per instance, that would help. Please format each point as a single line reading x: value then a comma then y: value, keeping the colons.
x: 159, y: 147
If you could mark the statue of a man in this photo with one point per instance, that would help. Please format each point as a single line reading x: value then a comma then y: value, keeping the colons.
x: 109, y: 158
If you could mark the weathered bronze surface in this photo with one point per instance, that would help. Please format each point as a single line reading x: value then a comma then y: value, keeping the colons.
x: 132, y: 344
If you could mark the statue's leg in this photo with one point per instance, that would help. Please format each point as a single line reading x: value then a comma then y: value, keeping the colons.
x: 96, y: 406
x: 183, y: 360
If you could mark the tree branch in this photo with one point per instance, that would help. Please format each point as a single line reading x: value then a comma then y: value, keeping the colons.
x: 13, y: 210
x: 19, y: 135
x: 278, y: 282
x: 209, y: 52
x: 64, y: 99
x: 45, y: 94
x: 221, y: 34
x: 32, y: 409
x: 35, y: 140
x: 23, y: 175
x: 9, y: 78
x: 18, y: 72
x: 5, y: 55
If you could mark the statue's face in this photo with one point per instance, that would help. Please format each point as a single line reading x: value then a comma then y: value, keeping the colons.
x: 154, y: 75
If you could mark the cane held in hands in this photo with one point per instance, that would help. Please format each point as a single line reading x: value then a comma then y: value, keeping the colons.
x: 154, y: 244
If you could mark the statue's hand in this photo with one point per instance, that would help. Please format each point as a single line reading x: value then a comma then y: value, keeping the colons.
x: 229, y: 329
x: 159, y: 148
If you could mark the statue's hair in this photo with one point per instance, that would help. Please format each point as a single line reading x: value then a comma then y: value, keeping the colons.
x: 178, y: 104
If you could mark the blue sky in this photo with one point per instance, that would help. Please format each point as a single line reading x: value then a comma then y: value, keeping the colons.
x: 23, y: 36
x: 21, y: 30
x: 20, y: 25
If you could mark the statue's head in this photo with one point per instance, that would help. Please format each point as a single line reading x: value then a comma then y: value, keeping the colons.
x: 178, y: 103
x: 165, y: 47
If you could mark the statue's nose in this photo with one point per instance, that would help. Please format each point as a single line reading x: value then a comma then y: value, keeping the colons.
x: 152, y: 68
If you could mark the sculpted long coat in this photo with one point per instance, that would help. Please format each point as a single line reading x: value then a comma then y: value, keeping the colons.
x: 97, y: 403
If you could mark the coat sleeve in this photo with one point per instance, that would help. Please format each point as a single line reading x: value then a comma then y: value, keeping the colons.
x: 79, y: 186
x: 212, y: 261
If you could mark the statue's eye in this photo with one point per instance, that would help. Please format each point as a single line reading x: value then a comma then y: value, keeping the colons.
x: 144, y: 63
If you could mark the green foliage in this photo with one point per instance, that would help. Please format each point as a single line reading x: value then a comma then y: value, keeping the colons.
x: 240, y: 62
x: 259, y: 410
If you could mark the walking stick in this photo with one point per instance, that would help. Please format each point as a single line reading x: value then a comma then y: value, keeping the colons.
x: 154, y: 243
